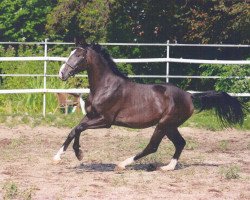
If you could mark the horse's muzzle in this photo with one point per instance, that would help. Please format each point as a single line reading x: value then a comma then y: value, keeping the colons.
x: 63, y: 74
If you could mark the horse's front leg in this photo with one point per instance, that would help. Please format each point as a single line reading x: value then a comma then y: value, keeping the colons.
x: 86, y: 123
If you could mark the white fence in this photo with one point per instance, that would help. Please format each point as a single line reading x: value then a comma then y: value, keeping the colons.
x: 166, y: 60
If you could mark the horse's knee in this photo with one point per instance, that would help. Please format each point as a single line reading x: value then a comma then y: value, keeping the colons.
x: 72, y: 134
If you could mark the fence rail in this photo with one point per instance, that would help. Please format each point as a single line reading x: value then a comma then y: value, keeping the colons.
x: 133, y: 44
x: 166, y: 60
x: 137, y: 60
x: 30, y: 91
x: 81, y: 91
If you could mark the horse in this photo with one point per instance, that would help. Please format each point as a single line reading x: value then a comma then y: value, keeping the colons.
x: 114, y: 99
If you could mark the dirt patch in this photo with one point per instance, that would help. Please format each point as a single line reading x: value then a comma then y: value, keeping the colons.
x: 4, y: 142
x: 214, y: 165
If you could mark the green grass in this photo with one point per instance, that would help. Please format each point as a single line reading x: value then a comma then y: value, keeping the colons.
x: 224, y: 145
x: 191, y: 144
x: 57, y: 120
x: 12, y: 191
x: 231, y: 172
x: 209, y: 121
x: 206, y: 120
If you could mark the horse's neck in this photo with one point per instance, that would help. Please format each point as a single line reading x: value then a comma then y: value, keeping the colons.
x: 98, y: 75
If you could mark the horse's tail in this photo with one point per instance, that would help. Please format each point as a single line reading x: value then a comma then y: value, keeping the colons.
x: 229, y: 109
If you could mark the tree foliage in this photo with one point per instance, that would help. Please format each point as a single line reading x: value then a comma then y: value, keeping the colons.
x: 218, y: 21
x: 76, y: 18
x: 238, y: 85
x: 24, y: 20
x: 197, y: 21
x: 145, y: 21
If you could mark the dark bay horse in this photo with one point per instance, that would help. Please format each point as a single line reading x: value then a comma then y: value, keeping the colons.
x: 115, y: 100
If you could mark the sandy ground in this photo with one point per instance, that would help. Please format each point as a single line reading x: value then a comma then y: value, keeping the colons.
x: 214, y: 165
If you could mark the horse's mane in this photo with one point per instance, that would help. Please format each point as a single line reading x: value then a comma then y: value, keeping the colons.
x: 104, y: 53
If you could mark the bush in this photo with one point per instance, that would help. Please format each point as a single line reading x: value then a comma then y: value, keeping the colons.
x: 236, y: 85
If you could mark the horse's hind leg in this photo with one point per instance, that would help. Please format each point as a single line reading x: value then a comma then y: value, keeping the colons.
x: 152, y: 147
x: 174, y: 135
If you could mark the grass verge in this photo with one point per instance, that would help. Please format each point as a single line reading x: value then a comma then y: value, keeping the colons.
x: 206, y: 120
x: 209, y: 121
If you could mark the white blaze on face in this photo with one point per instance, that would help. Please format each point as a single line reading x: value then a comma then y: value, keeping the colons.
x: 60, y: 71
x: 63, y: 65
x: 71, y: 53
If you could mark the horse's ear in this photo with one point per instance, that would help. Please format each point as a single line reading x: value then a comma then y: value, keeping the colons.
x: 80, y: 41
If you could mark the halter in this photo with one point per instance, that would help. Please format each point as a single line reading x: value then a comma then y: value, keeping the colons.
x: 75, y: 67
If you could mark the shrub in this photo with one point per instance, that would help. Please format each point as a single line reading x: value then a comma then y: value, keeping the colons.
x: 237, y: 85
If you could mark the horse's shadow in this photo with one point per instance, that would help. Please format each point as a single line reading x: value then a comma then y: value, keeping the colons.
x: 109, y: 167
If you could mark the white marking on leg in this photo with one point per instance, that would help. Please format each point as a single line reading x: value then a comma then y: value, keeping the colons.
x: 126, y: 162
x: 57, y: 157
x: 171, y: 166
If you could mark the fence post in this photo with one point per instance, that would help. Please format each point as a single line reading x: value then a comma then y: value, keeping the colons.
x: 167, y: 63
x: 44, y: 76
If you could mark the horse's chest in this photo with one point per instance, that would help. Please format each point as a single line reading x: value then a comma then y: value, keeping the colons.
x: 90, y: 109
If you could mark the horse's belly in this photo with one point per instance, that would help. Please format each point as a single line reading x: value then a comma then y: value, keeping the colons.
x: 138, y: 119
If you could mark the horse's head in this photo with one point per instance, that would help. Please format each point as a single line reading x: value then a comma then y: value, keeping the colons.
x: 76, y: 62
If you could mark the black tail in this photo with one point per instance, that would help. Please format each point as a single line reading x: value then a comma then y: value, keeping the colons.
x: 228, y: 109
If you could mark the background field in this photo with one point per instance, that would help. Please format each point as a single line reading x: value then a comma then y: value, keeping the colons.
x: 214, y: 165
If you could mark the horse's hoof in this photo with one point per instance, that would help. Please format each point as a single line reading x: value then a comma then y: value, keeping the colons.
x: 119, y: 169
x: 56, y: 160
x: 166, y: 168
x: 171, y: 166
x: 79, y: 155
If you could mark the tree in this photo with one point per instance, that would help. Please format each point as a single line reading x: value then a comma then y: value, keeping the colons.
x: 217, y: 21
x: 78, y: 18
x: 149, y: 21
x: 184, y: 21
x: 145, y: 21
x: 24, y: 20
